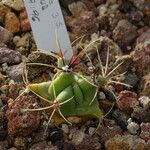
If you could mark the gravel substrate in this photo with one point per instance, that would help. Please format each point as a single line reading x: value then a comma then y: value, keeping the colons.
x: 123, y: 27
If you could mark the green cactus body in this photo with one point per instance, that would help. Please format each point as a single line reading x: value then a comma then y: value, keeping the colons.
x: 68, y: 85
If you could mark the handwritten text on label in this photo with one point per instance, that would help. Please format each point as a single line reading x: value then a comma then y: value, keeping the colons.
x: 46, y: 19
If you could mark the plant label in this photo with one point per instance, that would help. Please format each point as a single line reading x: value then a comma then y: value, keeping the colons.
x: 48, y: 26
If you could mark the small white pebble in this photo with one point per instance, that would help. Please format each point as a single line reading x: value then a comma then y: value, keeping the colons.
x: 102, y: 9
x: 94, y: 36
x: 30, y: 139
x: 4, y: 66
x: 49, y: 143
x: 11, y: 82
x: 65, y: 68
x: 129, y: 47
x: 132, y: 127
x: 88, y: 64
x: 65, y: 128
x: 102, y: 95
x: 103, y: 32
x: 111, y: 88
x: 24, y: 58
x: 78, y: 137
x: 16, y: 39
x: 91, y: 130
x: 91, y: 69
x: 145, y: 101
x: 44, y: 123
x: 114, y: 7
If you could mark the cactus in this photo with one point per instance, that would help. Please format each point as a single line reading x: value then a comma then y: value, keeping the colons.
x: 104, y: 74
x: 69, y: 94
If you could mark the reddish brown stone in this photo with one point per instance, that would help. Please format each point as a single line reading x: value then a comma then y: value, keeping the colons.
x: 141, y: 55
x: 5, y: 35
x: 127, y: 100
x: 85, y: 24
x: 103, y: 21
x: 145, y: 131
x: 12, y: 23
x: 144, y: 35
x: 22, y: 123
x: 25, y: 24
x: 124, y: 33
x: 88, y: 143
x: 105, y: 104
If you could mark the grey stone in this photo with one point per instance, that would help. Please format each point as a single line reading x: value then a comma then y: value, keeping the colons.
x: 5, y: 35
x: 9, y: 56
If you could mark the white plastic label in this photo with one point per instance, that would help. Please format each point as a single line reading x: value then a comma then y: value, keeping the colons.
x: 47, y: 21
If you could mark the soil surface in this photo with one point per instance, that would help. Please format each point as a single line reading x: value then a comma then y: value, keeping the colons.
x: 122, y: 31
